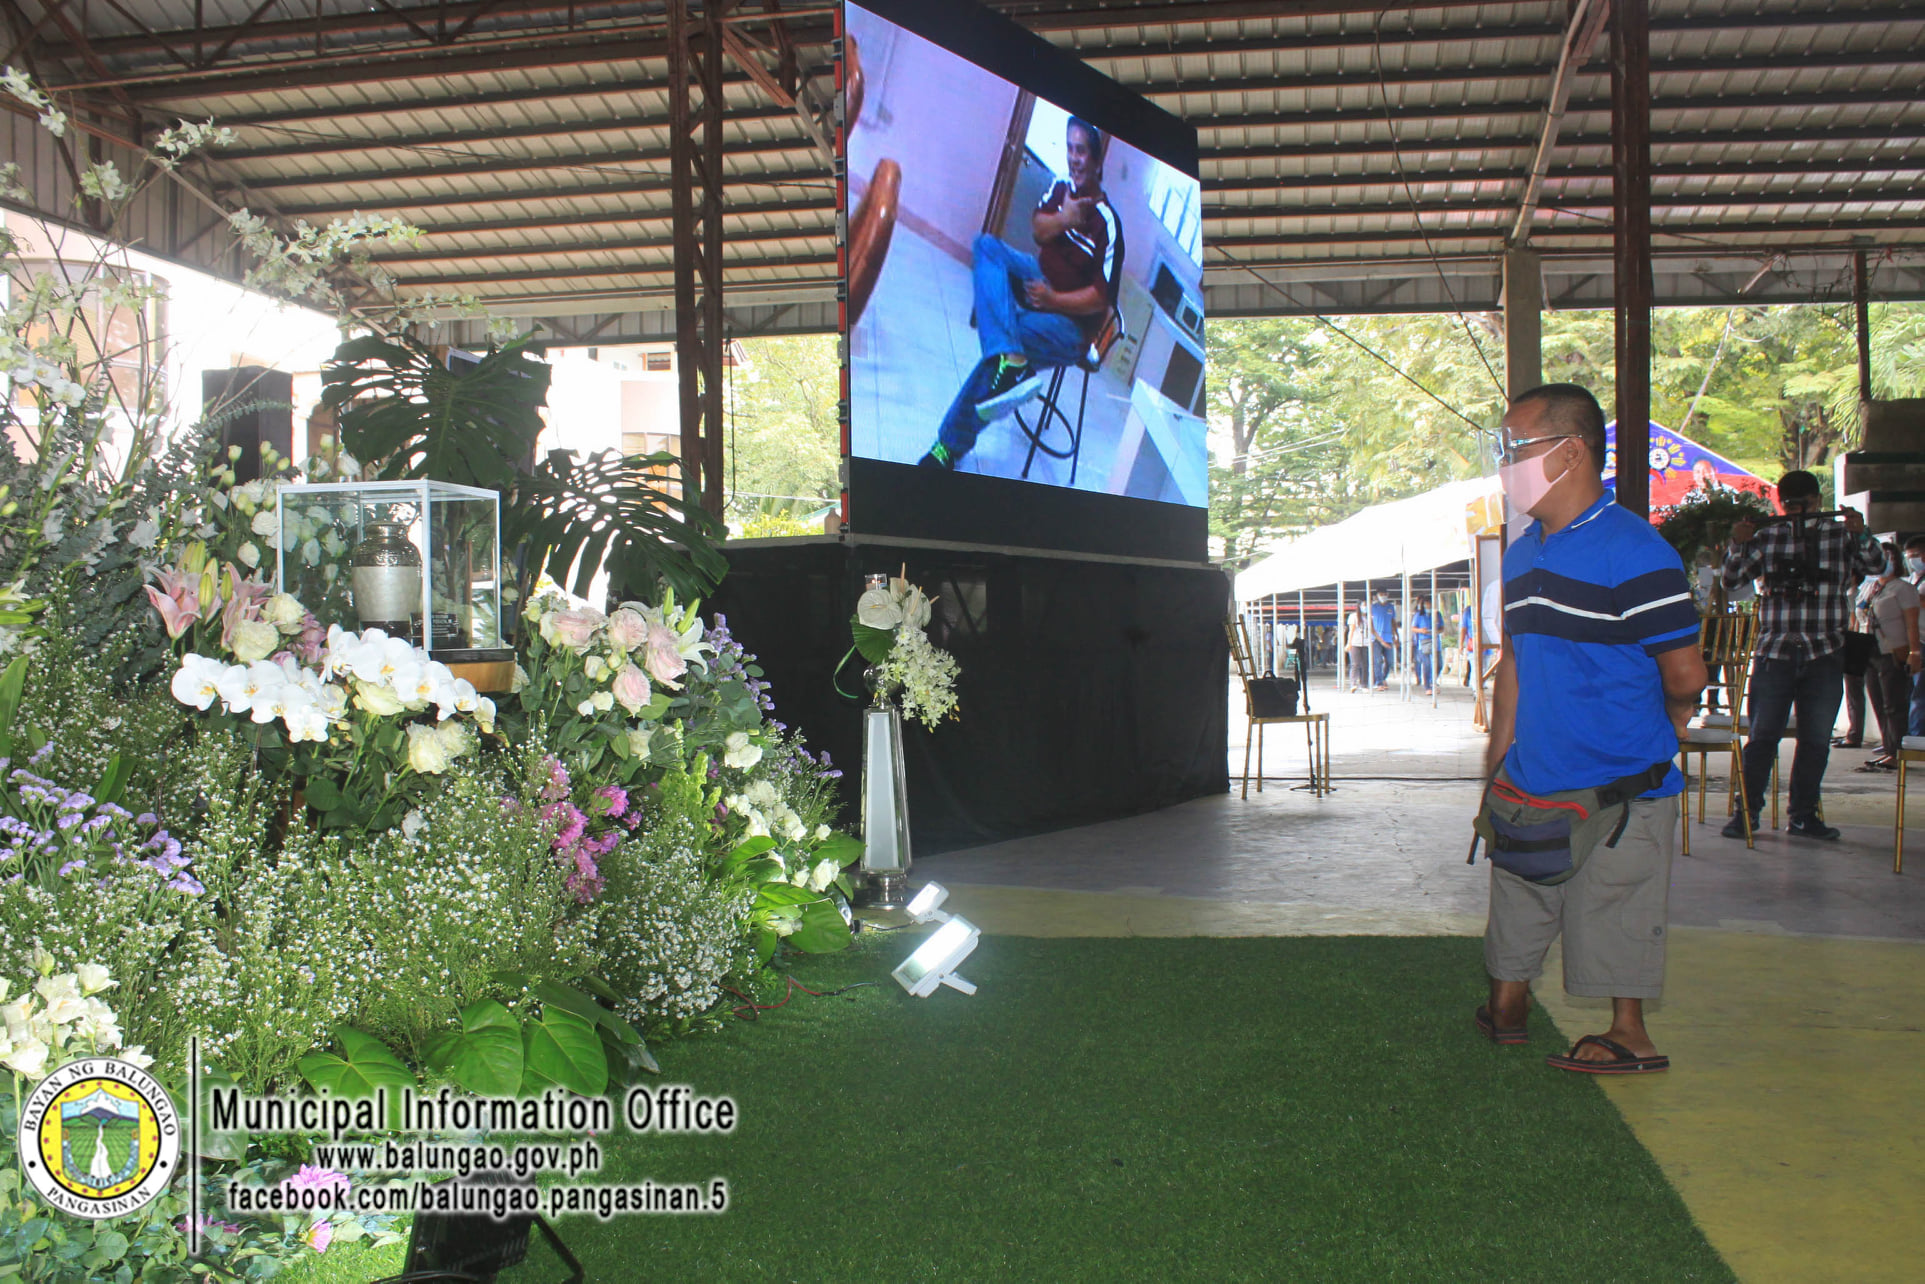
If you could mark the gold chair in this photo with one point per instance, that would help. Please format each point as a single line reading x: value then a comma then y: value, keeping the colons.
x: 1727, y: 641
x: 1316, y: 726
x: 1910, y: 749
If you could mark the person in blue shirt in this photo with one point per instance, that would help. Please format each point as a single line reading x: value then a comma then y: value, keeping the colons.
x: 1423, y: 641
x: 1600, y: 670
x: 1383, y: 639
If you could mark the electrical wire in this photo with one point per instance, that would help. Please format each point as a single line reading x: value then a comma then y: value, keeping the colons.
x: 750, y: 1010
x: 1396, y: 369
x: 1397, y: 160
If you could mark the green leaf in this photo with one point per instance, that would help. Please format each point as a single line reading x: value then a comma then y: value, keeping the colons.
x: 564, y: 1049
x: 113, y: 780
x: 485, y: 1056
x: 322, y: 794
x: 840, y: 848
x: 822, y: 930
x: 12, y: 683
x: 873, y: 644
x: 748, y: 849
x: 765, y: 942
x: 365, y: 1067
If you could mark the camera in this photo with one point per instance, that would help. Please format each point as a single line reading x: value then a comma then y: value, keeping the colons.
x: 1799, y: 577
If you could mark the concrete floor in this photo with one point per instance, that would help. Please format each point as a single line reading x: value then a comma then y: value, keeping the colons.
x: 1794, y: 1010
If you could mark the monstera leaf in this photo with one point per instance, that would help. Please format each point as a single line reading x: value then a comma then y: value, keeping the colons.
x: 403, y: 409
x: 614, y: 511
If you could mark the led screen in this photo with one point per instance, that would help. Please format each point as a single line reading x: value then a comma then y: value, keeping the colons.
x: 1032, y: 310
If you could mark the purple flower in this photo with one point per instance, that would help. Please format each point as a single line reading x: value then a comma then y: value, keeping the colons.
x: 186, y: 883
x: 147, y: 818
x: 614, y: 800
x: 71, y: 866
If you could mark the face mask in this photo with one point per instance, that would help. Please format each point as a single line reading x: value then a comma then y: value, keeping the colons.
x: 1916, y: 565
x: 1524, y: 483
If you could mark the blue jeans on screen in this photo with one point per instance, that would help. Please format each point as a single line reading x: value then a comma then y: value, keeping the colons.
x: 1814, y: 688
x: 1380, y: 655
x: 1005, y: 324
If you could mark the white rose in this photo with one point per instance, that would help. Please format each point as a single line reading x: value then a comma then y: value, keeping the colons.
x: 822, y: 833
x: 427, y: 752
x: 603, y: 701
x: 255, y: 640
x: 249, y: 555
x: 264, y: 522
x: 739, y: 753
x: 285, y: 612
x: 378, y: 699
x: 413, y: 823
x: 28, y: 1058
x: 824, y: 873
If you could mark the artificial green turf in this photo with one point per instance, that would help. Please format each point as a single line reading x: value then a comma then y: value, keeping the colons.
x: 1302, y: 1108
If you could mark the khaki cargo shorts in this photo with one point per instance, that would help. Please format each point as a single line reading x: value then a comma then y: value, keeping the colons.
x: 1611, y: 913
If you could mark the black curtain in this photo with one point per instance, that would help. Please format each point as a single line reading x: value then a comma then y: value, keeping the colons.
x: 1089, y: 690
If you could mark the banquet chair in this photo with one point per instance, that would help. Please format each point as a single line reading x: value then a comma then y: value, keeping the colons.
x: 1726, y: 641
x: 1911, y: 749
x: 1316, y: 726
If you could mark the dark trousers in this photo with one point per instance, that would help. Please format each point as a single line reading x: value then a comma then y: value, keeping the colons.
x: 1812, y: 688
x: 1855, y: 708
x: 1888, y: 683
x: 1379, y: 663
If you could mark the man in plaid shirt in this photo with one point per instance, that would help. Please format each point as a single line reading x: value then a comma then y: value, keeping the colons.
x: 1809, y: 571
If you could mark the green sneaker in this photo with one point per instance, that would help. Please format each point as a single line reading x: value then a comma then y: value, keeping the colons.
x: 938, y: 457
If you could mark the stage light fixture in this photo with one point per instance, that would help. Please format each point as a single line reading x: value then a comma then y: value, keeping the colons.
x: 935, y: 960
x: 926, y: 907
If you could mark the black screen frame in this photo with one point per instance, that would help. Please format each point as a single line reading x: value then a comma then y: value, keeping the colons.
x: 899, y: 500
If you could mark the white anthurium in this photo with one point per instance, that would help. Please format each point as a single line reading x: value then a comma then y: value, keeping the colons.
x: 878, y: 609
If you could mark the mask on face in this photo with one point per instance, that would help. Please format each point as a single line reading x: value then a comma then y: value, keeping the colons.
x: 1524, y: 483
x: 1914, y: 564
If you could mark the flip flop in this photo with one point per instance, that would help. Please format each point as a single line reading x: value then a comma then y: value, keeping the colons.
x: 1487, y: 1028
x: 1624, y: 1060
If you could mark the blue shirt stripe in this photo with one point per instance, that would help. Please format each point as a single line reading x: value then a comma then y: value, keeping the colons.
x: 1586, y: 610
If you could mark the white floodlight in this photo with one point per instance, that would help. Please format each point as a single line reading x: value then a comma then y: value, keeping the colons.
x: 934, y: 962
x: 927, y: 905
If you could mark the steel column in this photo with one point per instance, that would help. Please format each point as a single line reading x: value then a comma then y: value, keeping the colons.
x: 1861, y: 305
x: 695, y: 145
x: 1631, y: 245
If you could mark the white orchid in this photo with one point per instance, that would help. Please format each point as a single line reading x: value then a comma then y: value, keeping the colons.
x: 196, y: 682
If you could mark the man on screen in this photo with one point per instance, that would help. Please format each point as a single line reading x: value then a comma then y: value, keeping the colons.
x: 1067, y: 291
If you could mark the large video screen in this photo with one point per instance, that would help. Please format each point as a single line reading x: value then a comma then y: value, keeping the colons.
x: 1025, y: 282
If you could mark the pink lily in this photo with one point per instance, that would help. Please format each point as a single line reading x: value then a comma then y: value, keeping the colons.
x: 249, y: 601
x: 177, y: 601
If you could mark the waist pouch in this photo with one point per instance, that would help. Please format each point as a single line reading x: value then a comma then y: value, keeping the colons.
x: 1546, y: 838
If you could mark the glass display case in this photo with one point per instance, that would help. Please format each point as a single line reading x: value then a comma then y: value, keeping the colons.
x: 418, y: 559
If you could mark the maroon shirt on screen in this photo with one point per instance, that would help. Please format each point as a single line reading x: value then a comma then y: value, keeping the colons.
x: 1086, y: 254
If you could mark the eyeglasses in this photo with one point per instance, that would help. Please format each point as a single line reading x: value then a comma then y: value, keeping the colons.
x: 1507, y: 447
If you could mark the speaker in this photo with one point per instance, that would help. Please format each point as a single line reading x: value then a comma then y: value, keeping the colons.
x: 251, y: 406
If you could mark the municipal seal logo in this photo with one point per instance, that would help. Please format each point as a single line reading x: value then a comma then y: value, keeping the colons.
x: 99, y: 1138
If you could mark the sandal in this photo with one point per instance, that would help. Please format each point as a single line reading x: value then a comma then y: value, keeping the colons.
x: 1877, y: 765
x: 1623, y: 1060
x: 1490, y: 1030
x: 1840, y: 742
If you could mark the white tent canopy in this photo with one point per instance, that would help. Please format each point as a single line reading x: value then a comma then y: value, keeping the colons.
x: 1406, y: 536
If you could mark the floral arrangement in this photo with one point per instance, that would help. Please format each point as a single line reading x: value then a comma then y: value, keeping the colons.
x: 890, y: 629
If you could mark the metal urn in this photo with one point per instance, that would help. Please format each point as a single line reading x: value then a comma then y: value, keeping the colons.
x: 387, y: 578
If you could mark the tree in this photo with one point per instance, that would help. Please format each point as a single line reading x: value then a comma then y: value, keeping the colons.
x: 1279, y: 463
x: 785, y: 443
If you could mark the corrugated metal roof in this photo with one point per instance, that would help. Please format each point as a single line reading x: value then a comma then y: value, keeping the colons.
x: 1358, y: 149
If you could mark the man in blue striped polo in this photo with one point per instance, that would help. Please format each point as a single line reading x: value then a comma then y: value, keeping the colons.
x: 1600, y: 670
